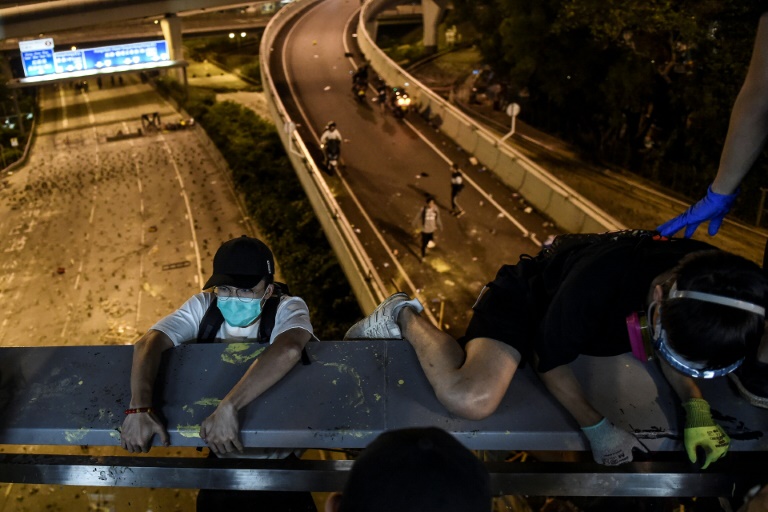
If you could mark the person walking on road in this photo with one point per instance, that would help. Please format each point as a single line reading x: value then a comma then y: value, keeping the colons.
x: 457, y: 185
x: 429, y: 220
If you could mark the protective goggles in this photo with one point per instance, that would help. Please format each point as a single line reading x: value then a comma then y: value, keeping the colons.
x: 646, y: 339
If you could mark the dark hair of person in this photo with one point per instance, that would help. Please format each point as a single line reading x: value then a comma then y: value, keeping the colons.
x: 714, y: 334
x: 417, y: 470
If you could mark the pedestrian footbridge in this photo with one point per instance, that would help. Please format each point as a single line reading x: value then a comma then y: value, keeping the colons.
x: 350, y: 393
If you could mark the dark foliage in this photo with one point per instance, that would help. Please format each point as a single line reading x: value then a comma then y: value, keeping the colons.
x: 274, y: 198
x: 647, y: 86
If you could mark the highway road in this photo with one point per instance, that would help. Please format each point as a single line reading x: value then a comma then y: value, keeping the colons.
x: 100, y: 239
x: 389, y: 168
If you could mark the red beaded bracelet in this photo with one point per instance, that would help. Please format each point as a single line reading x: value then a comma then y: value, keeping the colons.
x: 138, y: 409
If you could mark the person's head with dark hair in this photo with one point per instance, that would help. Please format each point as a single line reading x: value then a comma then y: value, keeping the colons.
x: 710, y: 308
x: 415, y: 470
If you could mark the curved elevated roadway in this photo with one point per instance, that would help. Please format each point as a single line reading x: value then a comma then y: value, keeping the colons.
x: 389, y: 168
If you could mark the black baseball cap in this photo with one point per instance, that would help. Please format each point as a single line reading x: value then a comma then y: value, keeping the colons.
x: 242, y: 263
x: 417, y: 470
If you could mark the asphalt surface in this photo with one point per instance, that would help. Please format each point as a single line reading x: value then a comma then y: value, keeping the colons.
x: 390, y: 166
x: 99, y: 240
x: 103, y: 238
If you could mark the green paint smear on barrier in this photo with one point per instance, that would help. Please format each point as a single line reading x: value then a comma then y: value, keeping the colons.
x: 235, y: 353
x: 189, y: 430
x: 209, y: 401
x: 358, y: 398
x: 73, y: 436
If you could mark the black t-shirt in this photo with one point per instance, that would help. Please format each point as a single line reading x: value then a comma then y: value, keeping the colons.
x: 587, y: 292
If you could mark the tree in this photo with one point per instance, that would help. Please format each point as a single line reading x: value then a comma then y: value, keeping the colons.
x: 644, y: 85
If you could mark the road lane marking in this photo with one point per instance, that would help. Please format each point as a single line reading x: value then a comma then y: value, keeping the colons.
x: 414, y: 290
x: 505, y: 213
x: 65, y: 120
x: 194, y: 244
x: 488, y: 197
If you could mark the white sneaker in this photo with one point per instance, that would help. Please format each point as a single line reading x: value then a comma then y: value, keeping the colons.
x: 382, y: 323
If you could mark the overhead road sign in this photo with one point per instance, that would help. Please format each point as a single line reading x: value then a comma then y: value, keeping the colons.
x: 43, y: 64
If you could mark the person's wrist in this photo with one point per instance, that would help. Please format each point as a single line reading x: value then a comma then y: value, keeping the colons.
x: 724, y: 190
x: 229, y: 405
x: 139, y: 410
x: 697, y: 413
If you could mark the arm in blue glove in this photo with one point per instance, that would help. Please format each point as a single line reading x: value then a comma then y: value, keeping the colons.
x: 713, y: 208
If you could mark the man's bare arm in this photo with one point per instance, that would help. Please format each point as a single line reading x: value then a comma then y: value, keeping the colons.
x: 564, y: 386
x: 222, y: 428
x: 138, y: 429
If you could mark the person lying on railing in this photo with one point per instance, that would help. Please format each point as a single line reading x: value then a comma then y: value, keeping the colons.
x: 699, y: 309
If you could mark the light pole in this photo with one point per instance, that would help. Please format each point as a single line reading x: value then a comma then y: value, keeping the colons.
x: 513, y: 109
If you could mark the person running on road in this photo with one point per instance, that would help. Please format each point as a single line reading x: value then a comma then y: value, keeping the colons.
x: 591, y: 294
x: 428, y: 219
x: 457, y: 185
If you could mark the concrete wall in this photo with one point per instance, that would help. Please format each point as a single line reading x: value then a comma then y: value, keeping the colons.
x: 569, y: 210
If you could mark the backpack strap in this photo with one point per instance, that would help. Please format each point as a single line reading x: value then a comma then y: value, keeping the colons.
x: 210, y: 324
x: 212, y: 320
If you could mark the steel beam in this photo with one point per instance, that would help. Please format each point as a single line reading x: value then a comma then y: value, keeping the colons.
x: 640, y: 479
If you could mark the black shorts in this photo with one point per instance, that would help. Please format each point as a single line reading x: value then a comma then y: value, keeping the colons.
x: 507, y: 308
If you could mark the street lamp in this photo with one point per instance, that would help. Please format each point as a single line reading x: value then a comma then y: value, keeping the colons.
x: 513, y: 109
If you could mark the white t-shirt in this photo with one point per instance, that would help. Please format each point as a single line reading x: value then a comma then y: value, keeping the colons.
x: 182, y: 325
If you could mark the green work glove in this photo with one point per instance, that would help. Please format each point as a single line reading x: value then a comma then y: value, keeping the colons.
x: 702, y: 432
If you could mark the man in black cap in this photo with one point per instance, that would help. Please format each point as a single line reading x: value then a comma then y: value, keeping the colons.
x: 242, y: 281
x: 415, y: 470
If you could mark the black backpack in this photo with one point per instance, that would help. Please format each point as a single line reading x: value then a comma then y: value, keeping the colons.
x: 212, y: 320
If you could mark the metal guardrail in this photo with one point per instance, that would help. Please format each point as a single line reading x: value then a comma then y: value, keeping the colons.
x: 640, y: 479
x: 366, y: 284
x: 566, y: 207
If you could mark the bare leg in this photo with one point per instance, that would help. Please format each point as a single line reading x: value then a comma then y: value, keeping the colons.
x: 470, y: 384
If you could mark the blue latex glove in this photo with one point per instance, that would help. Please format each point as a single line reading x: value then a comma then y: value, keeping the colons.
x: 713, y: 208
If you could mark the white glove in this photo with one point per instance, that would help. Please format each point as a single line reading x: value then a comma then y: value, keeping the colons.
x: 611, y: 446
